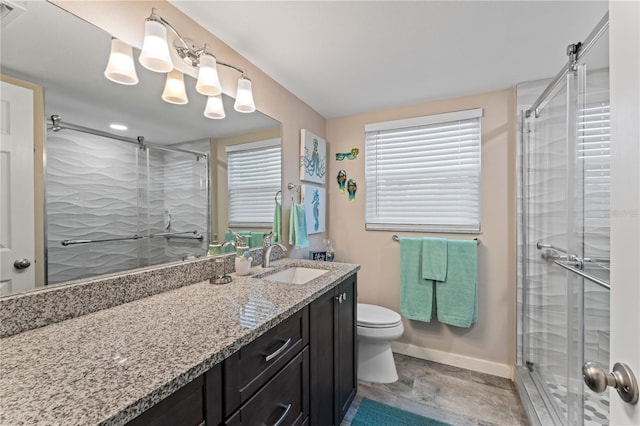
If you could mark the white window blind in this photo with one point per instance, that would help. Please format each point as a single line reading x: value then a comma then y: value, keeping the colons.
x: 423, y: 174
x: 594, y: 152
x: 253, y: 172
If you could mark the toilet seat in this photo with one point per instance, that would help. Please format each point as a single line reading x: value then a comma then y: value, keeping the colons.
x: 373, y: 316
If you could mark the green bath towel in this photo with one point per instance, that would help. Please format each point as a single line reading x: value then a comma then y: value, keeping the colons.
x: 457, y: 296
x: 277, y: 224
x: 434, y: 259
x: 416, y: 293
x: 298, y: 236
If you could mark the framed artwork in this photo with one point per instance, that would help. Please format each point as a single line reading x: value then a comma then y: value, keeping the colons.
x: 314, y: 198
x: 313, y: 157
x: 317, y: 255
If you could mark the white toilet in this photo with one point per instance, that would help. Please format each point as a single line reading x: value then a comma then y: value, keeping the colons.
x: 377, y: 328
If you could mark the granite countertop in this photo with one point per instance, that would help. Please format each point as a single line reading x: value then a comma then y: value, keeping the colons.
x: 108, y: 366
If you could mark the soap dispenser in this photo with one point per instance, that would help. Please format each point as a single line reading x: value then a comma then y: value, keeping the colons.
x: 330, y: 251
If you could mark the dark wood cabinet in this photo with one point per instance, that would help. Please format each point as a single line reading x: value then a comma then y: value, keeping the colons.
x: 333, y: 357
x: 283, y: 401
x: 247, y: 370
x: 303, y: 371
x: 190, y: 405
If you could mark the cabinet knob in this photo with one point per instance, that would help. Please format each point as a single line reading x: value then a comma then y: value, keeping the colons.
x: 339, y: 298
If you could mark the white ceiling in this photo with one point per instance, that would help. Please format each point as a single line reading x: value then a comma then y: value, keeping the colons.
x: 346, y: 57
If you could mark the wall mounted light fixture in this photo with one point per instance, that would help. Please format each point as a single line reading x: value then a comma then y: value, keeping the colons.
x: 156, y: 57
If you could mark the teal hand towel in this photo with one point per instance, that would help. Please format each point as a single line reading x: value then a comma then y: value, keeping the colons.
x: 434, y: 259
x: 298, y: 236
x: 416, y: 293
x: 457, y: 296
x: 256, y: 239
x: 277, y: 224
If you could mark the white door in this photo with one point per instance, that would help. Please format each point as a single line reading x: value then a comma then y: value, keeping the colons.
x: 17, y: 252
x: 624, y: 45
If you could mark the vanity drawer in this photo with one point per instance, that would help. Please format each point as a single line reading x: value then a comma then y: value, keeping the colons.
x: 253, y: 365
x: 283, y: 401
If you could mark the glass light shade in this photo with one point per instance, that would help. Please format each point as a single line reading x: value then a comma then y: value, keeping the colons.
x: 214, y: 108
x: 244, y: 96
x: 208, y: 82
x: 174, y: 91
x: 155, y: 50
x: 121, y: 68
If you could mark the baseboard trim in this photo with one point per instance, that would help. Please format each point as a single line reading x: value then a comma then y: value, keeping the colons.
x: 475, y: 364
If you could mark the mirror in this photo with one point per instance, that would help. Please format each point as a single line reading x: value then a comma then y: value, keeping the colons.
x: 46, y: 46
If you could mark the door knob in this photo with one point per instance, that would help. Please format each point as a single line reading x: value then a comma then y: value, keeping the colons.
x: 21, y: 263
x: 622, y: 379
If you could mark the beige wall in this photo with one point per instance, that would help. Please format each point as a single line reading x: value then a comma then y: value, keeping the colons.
x: 125, y: 20
x: 492, y: 339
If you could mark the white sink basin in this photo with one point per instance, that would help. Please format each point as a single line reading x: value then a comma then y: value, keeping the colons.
x: 296, y: 275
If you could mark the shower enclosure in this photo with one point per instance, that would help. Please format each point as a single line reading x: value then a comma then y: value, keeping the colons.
x: 113, y: 205
x: 563, y: 242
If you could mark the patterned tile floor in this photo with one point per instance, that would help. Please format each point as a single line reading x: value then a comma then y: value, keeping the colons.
x: 596, y: 406
x: 449, y: 394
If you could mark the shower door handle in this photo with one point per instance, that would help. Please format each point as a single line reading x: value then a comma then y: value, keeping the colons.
x: 622, y: 379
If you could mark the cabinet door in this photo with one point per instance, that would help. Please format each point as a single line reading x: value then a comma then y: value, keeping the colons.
x: 184, y: 408
x: 321, y: 347
x: 347, y: 345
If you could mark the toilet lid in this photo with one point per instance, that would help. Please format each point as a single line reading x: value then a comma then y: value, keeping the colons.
x: 377, y: 316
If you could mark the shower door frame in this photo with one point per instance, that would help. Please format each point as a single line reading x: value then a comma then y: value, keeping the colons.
x: 528, y: 383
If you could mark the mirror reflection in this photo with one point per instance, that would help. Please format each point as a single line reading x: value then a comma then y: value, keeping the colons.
x: 130, y: 180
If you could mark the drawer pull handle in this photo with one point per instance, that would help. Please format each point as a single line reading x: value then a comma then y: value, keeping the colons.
x: 287, y: 408
x: 279, y: 351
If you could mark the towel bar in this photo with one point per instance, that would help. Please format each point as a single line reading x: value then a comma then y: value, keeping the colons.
x: 397, y: 239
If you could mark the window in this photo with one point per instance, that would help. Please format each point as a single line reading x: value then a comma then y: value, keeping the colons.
x: 423, y: 174
x: 253, y: 176
x: 594, y: 156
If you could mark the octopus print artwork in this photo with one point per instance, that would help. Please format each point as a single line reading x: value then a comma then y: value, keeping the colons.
x: 313, y: 157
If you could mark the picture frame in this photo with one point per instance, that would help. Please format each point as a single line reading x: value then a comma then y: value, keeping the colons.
x: 314, y: 198
x: 313, y: 157
x: 318, y: 255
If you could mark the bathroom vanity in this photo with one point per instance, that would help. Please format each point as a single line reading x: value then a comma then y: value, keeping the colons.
x: 253, y: 351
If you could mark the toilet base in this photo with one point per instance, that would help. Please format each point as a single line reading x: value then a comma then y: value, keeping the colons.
x: 375, y: 362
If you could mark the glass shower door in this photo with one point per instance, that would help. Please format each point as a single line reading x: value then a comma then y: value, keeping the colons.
x: 566, y: 239
x: 546, y: 225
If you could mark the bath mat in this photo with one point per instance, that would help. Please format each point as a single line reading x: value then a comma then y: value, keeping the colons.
x: 372, y: 413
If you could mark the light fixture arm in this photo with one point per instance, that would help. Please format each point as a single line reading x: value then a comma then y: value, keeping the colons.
x: 172, y: 28
x: 192, y: 53
x: 240, y: 70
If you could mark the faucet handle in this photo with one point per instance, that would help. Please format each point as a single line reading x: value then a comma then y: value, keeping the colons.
x: 266, y: 240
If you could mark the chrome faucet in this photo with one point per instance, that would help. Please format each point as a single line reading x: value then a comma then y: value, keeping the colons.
x: 266, y: 249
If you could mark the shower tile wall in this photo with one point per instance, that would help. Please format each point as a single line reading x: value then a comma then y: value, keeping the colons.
x: 99, y: 188
x: 91, y: 194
